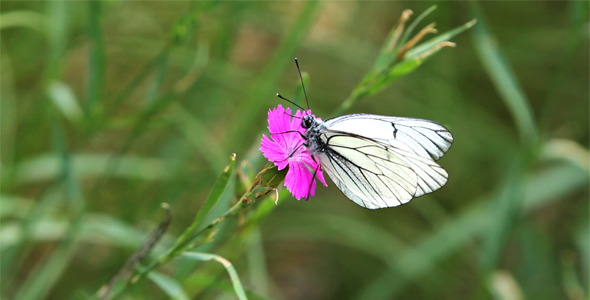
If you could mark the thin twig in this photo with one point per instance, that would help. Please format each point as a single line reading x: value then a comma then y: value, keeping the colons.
x: 137, y: 256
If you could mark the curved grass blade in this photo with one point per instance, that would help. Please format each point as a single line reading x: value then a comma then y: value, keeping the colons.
x: 226, y: 264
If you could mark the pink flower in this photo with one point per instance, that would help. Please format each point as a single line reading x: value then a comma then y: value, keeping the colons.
x: 285, y: 148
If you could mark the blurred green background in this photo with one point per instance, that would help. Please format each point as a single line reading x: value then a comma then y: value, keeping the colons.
x: 111, y: 108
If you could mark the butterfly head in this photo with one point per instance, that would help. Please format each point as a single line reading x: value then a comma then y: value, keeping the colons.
x: 308, y: 121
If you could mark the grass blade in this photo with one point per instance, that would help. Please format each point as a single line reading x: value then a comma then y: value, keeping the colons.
x: 154, y: 89
x: 96, y: 57
x: 235, y: 279
x: 218, y: 189
x: 503, y: 78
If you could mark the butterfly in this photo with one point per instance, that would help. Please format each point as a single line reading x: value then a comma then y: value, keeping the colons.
x: 377, y: 161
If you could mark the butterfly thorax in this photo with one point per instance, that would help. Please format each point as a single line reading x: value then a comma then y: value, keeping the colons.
x: 313, y: 129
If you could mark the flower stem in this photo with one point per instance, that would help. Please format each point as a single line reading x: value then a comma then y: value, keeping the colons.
x: 185, y: 242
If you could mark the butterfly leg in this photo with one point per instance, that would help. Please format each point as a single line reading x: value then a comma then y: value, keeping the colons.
x: 315, y: 172
x: 292, y: 152
x: 290, y: 131
x: 296, y: 148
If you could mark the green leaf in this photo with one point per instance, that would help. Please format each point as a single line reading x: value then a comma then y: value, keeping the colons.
x: 218, y: 189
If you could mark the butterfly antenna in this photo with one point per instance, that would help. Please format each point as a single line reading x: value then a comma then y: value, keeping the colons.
x: 302, y: 85
x: 280, y: 96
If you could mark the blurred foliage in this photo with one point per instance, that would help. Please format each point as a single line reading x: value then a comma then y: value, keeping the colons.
x: 111, y: 108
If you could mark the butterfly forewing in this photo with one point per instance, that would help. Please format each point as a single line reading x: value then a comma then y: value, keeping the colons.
x: 423, y: 137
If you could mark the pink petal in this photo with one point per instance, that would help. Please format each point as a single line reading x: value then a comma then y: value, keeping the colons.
x: 273, y: 152
x: 298, y: 180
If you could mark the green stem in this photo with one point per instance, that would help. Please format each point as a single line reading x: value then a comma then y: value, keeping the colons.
x: 186, y: 242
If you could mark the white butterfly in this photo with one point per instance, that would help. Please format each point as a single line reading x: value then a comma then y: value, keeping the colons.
x: 378, y: 161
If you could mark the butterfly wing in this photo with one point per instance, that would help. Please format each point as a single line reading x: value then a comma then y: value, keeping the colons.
x: 423, y: 137
x: 380, y: 168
